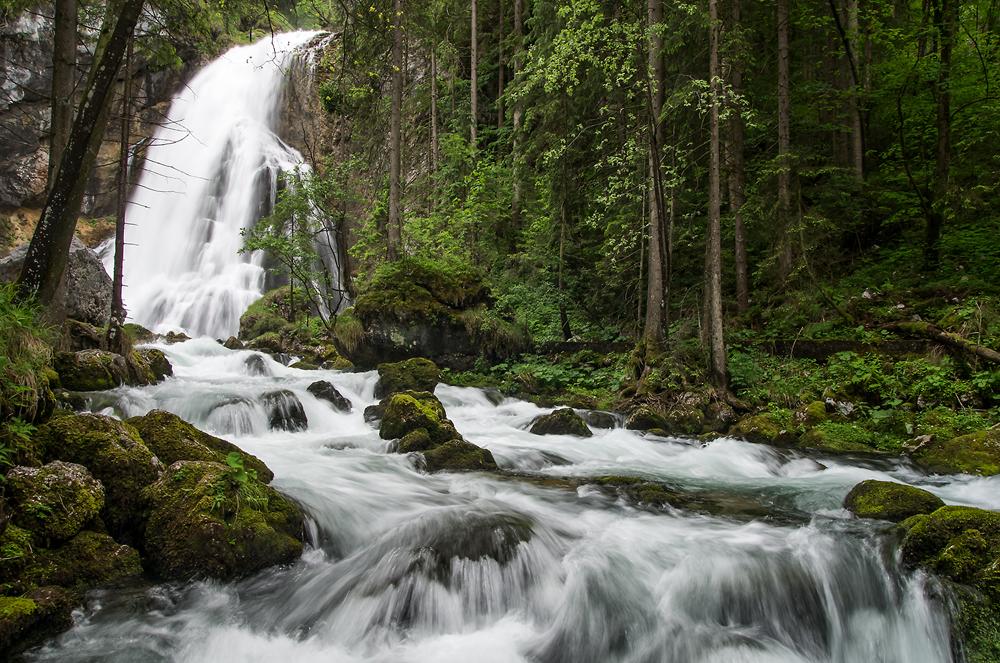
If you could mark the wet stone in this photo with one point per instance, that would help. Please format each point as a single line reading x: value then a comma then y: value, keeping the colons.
x: 284, y: 411
x: 323, y: 390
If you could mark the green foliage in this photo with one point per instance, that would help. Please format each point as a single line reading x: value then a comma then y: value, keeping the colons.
x: 25, y: 357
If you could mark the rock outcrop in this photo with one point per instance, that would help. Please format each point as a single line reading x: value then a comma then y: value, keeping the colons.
x: 886, y: 500
x: 561, y: 422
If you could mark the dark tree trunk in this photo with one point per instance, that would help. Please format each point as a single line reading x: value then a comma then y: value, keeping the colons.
x: 115, y: 338
x: 63, y: 83
x: 713, y: 248
x: 395, y: 220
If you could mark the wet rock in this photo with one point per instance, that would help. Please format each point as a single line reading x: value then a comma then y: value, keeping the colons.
x: 139, y: 333
x: 233, y: 343
x: 719, y: 417
x: 340, y: 364
x: 269, y: 342
x: 115, y: 455
x: 954, y: 541
x: 560, y: 422
x: 284, y: 411
x: 407, y: 412
x: 327, y: 392
x: 593, y: 418
x: 39, y: 614
x: 976, y: 453
x: 172, y: 439
x: 811, y: 415
x: 835, y: 441
x: 886, y: 500
x: 90, y: 370
x: 81, y: 336
x: 416, y: 374
x: 88, y: 559
x: 54, y: 501
x: 206, y: 523
x: 684, y: 419
x: 638, y: 490
x: 84, y: 293
x: 157, y: 363
x: 645, y: 418
x: 256, y: 366
x: 458, y: 455
x: 304, y: 366
x: 763, y: 428
x: 176, y: 337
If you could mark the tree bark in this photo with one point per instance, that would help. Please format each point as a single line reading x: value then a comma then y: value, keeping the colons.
x: 515, y: 157
x: 857, y: 128
x: 435, y: 145
x: 395, y: 221
x: 63, y: 83
x: 784, y: 145
x: 654, y: 293
x: 737, y: 178
x: 945, y: 20
x: 475, y: 76
x: 501, y: 111
x: 48, y: 252
x: 713, y: 248
x: 115, y: 337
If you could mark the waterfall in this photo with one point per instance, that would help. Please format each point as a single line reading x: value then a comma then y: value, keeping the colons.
x: 211, y: 170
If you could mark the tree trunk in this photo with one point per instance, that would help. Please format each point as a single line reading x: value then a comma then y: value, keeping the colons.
x: 654, y: 294
x: 945, y: 20
x: 713, y: 248
x: 515, y: 157
x: 48, y: 252
x: 857, y: 128
x: 115, y: 338
x: 737, y: 180
x: 474, y: 83
x: 784, y: 145
x: 63, y: 83
x: 395, y: 221
x: 435, y: 146
x: 501, y: 111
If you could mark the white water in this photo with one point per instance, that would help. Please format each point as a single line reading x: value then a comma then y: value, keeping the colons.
x: 599, y: 579
x: 210, y: 171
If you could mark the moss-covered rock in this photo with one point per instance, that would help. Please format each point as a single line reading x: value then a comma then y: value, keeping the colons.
x: 560, y: 422
x: 638, y: 490
x: 171, y: 439
x: 645, y: 418
x: 205, y: 523
x: 405, y: 413
x: 323, y: 390
x: 17, y: 552
x: 977, y: 453
x: 809, y: 416
x: 27, y: 620
x: 886, y: 500
x: 88, y: 559
x: 90, y: 370
x: 719, y: 417
x: 683, y: 419
x: 272, y: 312
x: 157, y: 363
x: 284, y: 411
x: 115, y: 454
x: 459, y: 455
x: 269, y: 342
x: 55, y: 501
x: 416, y: 374
x: 928, y: 536
x: 763, y: 428
x: 138, y: 333
x: 341, y: 364
x: 415, y: 440
x: 176, y: 337
x: 233, y: 343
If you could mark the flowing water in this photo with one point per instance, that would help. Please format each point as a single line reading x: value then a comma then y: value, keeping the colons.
x: 211, y: 170
x: 406, y: 566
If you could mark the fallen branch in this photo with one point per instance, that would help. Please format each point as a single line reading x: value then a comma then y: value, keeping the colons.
x: 926, y: 330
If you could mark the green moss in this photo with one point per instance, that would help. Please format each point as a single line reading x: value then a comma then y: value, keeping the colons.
x: 268, y: 342
x: 415, y: 440
x: 459, y: 455
x: 14, y: 608
x: 764, y: 428
x: 54, y: 501
x: 928, y: 536
x: 349, y: 332
x: 890, y: 501
x: 86, y: 560
x: 685, y: 420
x: 976, y: 453
x: 138, y: 333
x: 809, y: 416
x: 840, y: 438
x: 203, y: 522
x: 404, y: 414
x: 90, y: 370
x: 171, y: 439
x: 414, y: 289
x: 416, y: 374
x: 638, y: 490
x: 272, y: 312
x: 979, y: 621
x: 644, y: 418
x: 561, y: 422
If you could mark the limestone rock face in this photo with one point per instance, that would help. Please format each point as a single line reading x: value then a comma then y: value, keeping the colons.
x: 561, y: 422
x: 206, y: 523
x: 886, y: 500
x: 85, y: 291
x: 54, y: 501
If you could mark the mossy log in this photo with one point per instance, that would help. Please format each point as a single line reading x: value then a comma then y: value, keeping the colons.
x: 926, y: 330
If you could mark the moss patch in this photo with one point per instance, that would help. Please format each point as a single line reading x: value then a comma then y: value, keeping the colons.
x: 459, y: 455
x: 561, y: 422
x: 416, y: 374
x: 890, y: 501
x: 405, y: 413
x: 54, y: 501
x: 90, y: 370
x: 977, y: 453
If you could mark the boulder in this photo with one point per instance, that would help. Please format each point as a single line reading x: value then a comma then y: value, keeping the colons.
x: 407, y: 412
x: 763, y: 428
x: 719, y: 417
x: 684, y: 419
x: 411, y: 375
x: 810, y: 416
x: 39, y: 614
x: 176, y: 337
x: 90, y: 370
x: 327, y: 392
x: 644, y: 418
x: 593, y: 418
x: 157, y: 363
x: 638, y: 490
x: 458, y: 455
x: 115, y: 455
x: 886, y: 500
x: 269, y: 342
x: 560, y: 422
x: 284, y: 411
x: 88, y: 559
x: 84, y: 293
x: 172, y: 439
x: 205, y: 521
x: 81, y: 336
x: 256, y: 366
x: 976, y: 453
x: 139, y: 333
x: 233, y: 343
x: 54, y: 501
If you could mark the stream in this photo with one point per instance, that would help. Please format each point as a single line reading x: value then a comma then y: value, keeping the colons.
x: 523, y: 565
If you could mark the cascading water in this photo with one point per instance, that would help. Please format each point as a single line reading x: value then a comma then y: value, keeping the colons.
x: 210, y: 171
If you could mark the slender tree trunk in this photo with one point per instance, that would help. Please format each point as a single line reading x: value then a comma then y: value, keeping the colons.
x: 115, y: 340
x: 713, y: 249
x: 435, y: 146
x: 945, y: 19
x: 515, y: 157
x: 395, y: 221
x: 857, y: 128
x: 501, y: 110
x: 784, y: 145
x: 475, y: 76
x: 737, y: 179
x: 563, y: 317
x: 654, y: 294
x: 48, y: 252
x: 63, y: 82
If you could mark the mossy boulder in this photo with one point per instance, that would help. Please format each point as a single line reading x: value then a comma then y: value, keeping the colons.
x: 561, y: 422
x: 17, y: 552
x: 839, y: 438
x: 976, y: 453
x: 284, y: 411
x: 645, y: 418
x: 114, y: 453
x: 157, y: 363
x: 415, y: 374
x: 929, y: 538
x: 405, y: 413
x: 272, y: 312
x: 54, y: 501
x: 810, y: 415
x: 325, y: 391
x: 171, y: 439
x: 90, y: 370
x: 684, y: 419
x: 719, y: 417
x: 233, y: 343
x: 638, y: 490
x: 138, y: 333
x: 594, y: 418
x: 764, y: 428
x: 458, y: 455
x: 886, y: 500
x: 39, y: 614
x: 269, y: 342
x: 88, y: 559
x: 205, y: 523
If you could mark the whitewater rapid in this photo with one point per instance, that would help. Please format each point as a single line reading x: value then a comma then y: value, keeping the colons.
x: 771, y: 570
